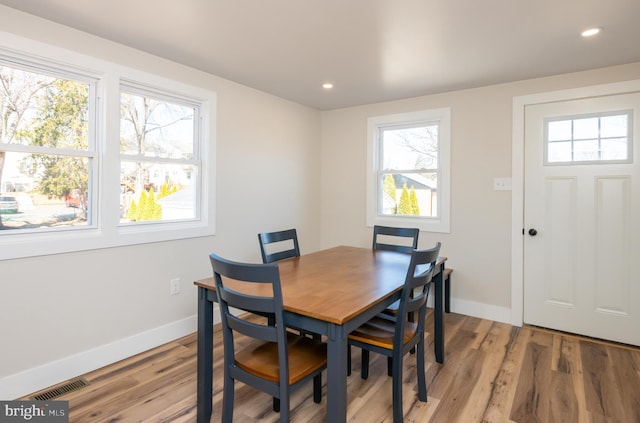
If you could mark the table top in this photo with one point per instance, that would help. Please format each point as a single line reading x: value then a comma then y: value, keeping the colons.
x: 336, y: 284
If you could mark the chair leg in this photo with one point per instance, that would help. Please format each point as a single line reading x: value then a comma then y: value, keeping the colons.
x: 422, y: 383
x: 364, y: 366
x: 389, y: 366
x: 227, y: 400
x: 348, y: 360
x: 317, y: 388
x: 276, y: 404
x: 397, y: 388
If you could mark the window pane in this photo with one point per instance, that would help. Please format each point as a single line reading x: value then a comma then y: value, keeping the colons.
x: 410, y: 148
x: 614, y: 126
x: 586, y: 150
x: 157, y: 192
x: 50, y: 191
x: 40, y: 113
x: 156, y: 128
x: 585, y: 128
x: 614, y: 149
x: 559, y: 130
x: 559, y: 152
x: 414, y: 194
x: 40, y: 110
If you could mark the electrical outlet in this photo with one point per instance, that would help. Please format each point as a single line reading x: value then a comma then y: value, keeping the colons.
x: 174, y: 286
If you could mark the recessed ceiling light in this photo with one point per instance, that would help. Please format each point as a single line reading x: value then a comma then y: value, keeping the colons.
x: 591, y: 32
x: 327, y: 85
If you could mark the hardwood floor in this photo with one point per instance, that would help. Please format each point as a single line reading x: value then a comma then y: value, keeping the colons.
x: 493, y: 373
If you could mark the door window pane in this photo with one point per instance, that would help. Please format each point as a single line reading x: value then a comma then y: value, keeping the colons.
x: 559, y: 130
x: 585, y: 128
x: 614, y: 126
x: 559, y: 152
x: 614, y: 149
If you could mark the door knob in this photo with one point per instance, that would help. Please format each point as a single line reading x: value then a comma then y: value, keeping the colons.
x: 533, y: 232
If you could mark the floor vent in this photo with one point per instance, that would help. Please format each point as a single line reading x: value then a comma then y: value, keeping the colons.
x: 59, y: 390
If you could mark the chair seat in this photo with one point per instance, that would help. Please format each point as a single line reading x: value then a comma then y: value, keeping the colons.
x: 379, y: 332
x: 392, y: 310
x: 306, y: 355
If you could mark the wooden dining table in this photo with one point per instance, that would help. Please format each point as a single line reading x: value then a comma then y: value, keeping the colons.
x: 329, y: 292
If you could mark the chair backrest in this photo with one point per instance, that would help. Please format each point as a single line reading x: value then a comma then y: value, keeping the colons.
x: 416, y: 289
x: 287, y: 236
x: 268, y: 304
x: 389, y: 233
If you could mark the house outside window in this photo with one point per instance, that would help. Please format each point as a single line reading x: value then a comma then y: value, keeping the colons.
x: 408, y: 173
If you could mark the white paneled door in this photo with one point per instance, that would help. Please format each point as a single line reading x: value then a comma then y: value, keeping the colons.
x: 582, y: 217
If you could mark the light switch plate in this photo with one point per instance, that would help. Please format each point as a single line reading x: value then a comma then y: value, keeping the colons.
x: 502, y: 184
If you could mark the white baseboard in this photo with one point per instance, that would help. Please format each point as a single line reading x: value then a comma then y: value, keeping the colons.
x: 38, y: 378
x: 480, y: 310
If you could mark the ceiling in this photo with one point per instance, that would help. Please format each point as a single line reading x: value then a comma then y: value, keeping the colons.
x: 371, y: 50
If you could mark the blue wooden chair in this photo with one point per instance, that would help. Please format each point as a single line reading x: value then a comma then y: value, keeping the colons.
x: 274, y: 361
x: 403, y: 240
x: 384, y: 237
x: 280, y: 239
x: 395, y: 336
x: 291, y: 250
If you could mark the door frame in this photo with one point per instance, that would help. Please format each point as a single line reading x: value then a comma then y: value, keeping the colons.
x: 517, y: 174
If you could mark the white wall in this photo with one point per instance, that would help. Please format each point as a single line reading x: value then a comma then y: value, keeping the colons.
x: 62, y: 315
x: 479, y: 245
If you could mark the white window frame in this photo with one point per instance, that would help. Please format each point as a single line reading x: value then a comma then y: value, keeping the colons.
x: 442, y: 117
x: 105, y: 230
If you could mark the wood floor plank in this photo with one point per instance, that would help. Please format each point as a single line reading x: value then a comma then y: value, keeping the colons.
x: 627, y: 378
x: 505, y: 382
x: 493, y: 373
x: 602, y: 392
x: 563, y: 405
x: 531, y: 401
x: 570, y: 362
x: 494, y: 345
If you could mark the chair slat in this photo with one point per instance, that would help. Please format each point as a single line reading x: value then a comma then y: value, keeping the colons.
x: 267, y: 238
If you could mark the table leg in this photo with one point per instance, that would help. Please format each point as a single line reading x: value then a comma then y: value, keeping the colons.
x: 336, y: 375
x: 205, y: 356
x: 438, y: 316
x: 447, y: 294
